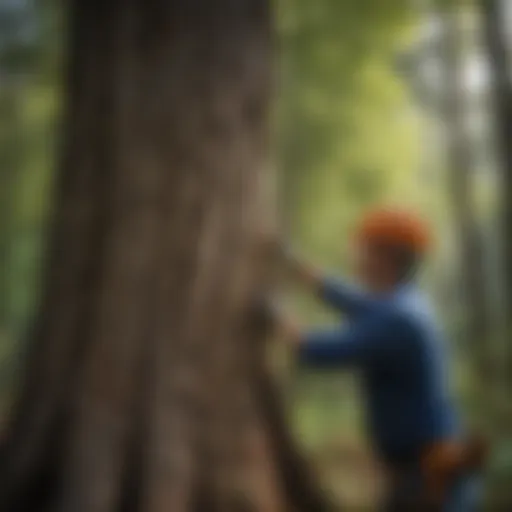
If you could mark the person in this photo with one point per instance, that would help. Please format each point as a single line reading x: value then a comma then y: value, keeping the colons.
x: 391, y: 335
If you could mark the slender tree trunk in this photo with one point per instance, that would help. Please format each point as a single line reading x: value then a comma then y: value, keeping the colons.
x: 498, y: 58
x: 146, y: 387
x: 9, y: 163
x: 461, y: 190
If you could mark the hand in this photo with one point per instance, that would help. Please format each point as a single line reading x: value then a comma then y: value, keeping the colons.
x: 271, y: 243
x: 289, y: 330
x: 286, y: 327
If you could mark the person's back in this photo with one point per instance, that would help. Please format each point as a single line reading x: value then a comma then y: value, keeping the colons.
x: 409, y: 401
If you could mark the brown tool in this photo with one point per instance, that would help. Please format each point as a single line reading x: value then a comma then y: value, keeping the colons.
x: 442, y: 463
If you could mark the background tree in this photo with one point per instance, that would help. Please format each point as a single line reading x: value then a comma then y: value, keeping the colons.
x: 461, y: 187
x: 494, y: 23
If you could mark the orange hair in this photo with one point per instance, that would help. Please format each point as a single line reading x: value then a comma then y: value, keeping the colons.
x: 395, y: 229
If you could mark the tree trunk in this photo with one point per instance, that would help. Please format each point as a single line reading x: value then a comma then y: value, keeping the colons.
x: 146, y: 389
x: 9, y: 170
x: 493, y: 20
x: 461, y: 190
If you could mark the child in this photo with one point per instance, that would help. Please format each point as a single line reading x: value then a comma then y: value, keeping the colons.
x: 393, y: 338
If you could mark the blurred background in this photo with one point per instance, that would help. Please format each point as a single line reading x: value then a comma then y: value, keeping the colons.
x: 400, y: 102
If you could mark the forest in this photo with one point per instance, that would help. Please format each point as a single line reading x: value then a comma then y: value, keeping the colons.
x: 142, y: 145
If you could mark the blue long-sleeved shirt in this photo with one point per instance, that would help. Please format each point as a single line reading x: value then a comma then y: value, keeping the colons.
x: 395, y: 343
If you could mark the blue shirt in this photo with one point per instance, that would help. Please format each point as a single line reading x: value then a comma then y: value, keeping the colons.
x: 395, y: 343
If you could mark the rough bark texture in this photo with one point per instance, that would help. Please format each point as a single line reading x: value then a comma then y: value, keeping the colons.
x: 146, y: 389
x: 499, y: 63
x: 461, y: 190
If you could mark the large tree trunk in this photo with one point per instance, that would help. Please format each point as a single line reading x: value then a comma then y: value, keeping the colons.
x: 461, y: 191
x: 146, y: 388
x: 498, y: 58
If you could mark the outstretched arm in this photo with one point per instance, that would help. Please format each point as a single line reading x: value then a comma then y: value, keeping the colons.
x: 344, y: 297
x: 336, y: 293
x: 356, y: 345
x: 359, y: 344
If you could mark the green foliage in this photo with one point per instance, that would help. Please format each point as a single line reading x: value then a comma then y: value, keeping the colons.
x: 342, y: 145
x: 29, y: 97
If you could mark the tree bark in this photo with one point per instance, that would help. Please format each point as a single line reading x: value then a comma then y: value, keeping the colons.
x: 144, y: 388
